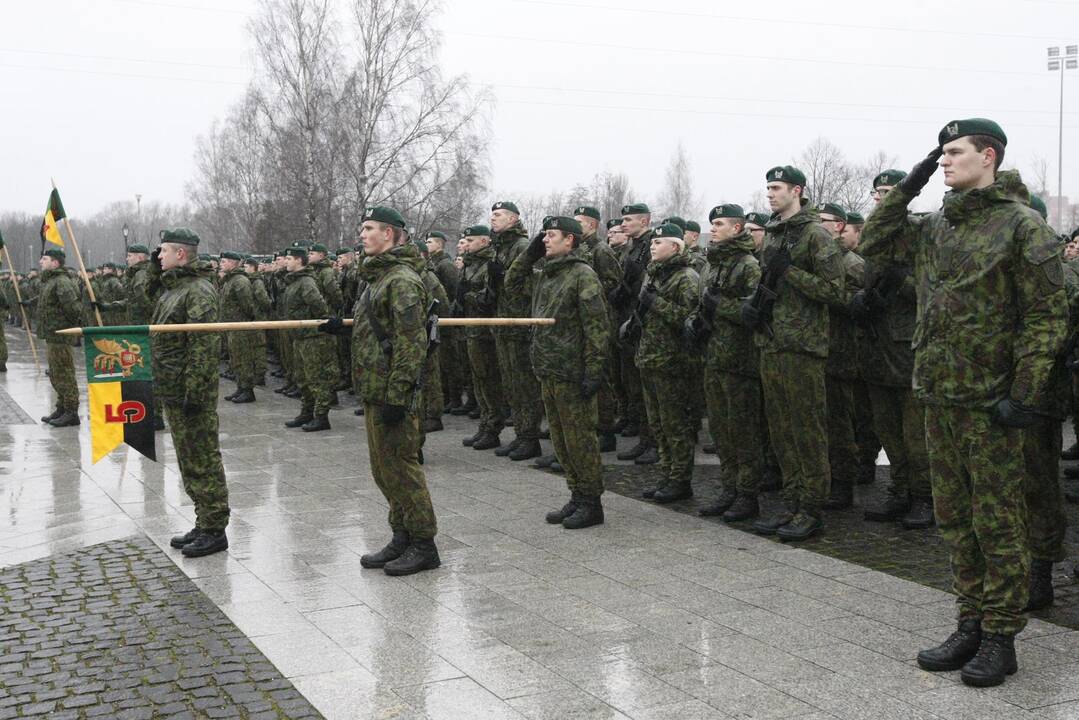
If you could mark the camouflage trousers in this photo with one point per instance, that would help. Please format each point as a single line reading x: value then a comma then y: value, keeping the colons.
x: 394, y: 453
x: 3, y: 346
x: 62, y: 375
x: 667, y: 402
x: 795, y: 403
x: 464, y: 374
x: 486, y: 383
x: 634, y: 393
x: 258, y: 342
x: 611, y: 399
x: 433, y: 399
x: 899, y: 418
x: 842, y: 448
x: 242, y: 351
x: 865, y: 429
x: 573, y: 433
x: 734, y: 421
x: 315, y: 360
x: 519, y: 386
x: 977, y: 472
x: 285, y: 354
x: 344, y: 360
x: 450, y: 365
x: 195, y: 439
x: 1047, y: 522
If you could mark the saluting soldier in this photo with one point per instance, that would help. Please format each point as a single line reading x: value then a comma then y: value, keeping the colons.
x: 59, y: 306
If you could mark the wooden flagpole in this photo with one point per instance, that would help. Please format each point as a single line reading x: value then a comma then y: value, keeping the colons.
x: 22, y: 308
x: 298, y: 324
x: 82, y: 268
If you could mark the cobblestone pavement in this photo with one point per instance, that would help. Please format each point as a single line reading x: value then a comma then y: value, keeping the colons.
x: 656, y: 614
x: 117, y: 631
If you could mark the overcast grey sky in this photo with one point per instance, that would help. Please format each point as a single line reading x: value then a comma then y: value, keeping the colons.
x: 107, y: 96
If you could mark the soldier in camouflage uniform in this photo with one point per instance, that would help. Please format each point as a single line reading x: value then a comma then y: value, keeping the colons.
x: 450, y: 364
x: 238, y: 305
x: 731, y: 374
x: 110, y: 296
x: 569, y: 358
x: 59, y: 306
x: 389, y: 347
x: 992, y: 317
x: 476, y: 296
x: 185, y: 377
x: 347, y: 287
x: 263, y: 309
x: 697, y: 255
x: 803, y: 268
x: 521, y: 390
x: 314, y: 356
x: 668, y: 295
x: 432, y: 401
x: 470, y: 406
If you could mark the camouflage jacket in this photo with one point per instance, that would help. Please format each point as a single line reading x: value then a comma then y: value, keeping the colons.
x: 479, y: 299
x: 445, y: 270
x: 732, y: 273
x: 813, y: 282
x: 604, y: 262
x: 137, y: 300
x: 185, y: 364
x: 698, y: 258
x: 508, y: 246
x: 277, y: 283
x: 237, y: 297
x: 326, y: 280
x: 263, y: 305
x: 567, y: 289
x: 303, y: 301
x: 885, y: 355
x: 992, y: 310
x: 396, y: 298
x: 58, y: 305
x: 843, y: 332
x: 676, y: 284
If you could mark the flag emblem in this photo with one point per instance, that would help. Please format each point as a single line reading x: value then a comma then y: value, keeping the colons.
x: 120, y: 385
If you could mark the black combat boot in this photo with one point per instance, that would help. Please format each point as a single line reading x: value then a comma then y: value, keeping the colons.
x: 397, y: 545
x: 53, y: 415
x: 465, y: 408
x: 420, y: 555
x: 744, y: 508
x: 159, y: 423
x: 994, y: 661
x: 840, y: 497
x: 300, y: 420
x: 954, y: 652
x: 1072, y: 453
x: 281, y: 390
x: 804, y: 525
x: 228, y: 375
x: 920, y: 516
x: 208, y: 542
x: 772, y: 523
x: 607, y: 442
x: 471, y: 440
x: 555, y: 517
x: 589, y: 512
x: 1041, y: 585
x: 634, y: 452
x: 244, y: 396
x: 179, y: 541
x: 431, y: 425
x: 68, y: 418
x: 233, y: 394
x: 894, y: 508
x: 556, y: 467
x: 648, y: 457
x: 507, y: 449
x: 672, y: 492
x: 486, y: 442
x: 709, y: 448
x: 317, y: 423
x: 721, y: 505
x: 544, y: 461
x: 631, y: 429
x: 294, y: 393
x: 526, y: 450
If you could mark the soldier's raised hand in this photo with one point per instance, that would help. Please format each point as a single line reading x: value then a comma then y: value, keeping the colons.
x: 919, y: 175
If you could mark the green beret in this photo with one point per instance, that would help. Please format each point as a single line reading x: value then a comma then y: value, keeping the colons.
x: 1038, y: 204
x: 727, y: 211
x: 614, y: 222
x: 588, y: 211
x: 787, y: 174
x: 252, y: 260
x: 668, y: 230
x: 343, y: 251
x: 331, y: 256
x: 476, y: 230
x: 436, y: 234
x: 386, y: 215
x: 318, y: 247
x: 971, y: 126
x: 888, y: 178
x: 182, y: 236
x: 636, y: 209
x: 138, y: 249
x: 693, y: 226
x: 674, y: 220
x: 854, y: 218
x: 833, y: 209
x: 205, y: 256
x: 231, y: 255
x: 565, y: 224
x: 295, y: 252
x: 758, y: 218
x: 506, y: 205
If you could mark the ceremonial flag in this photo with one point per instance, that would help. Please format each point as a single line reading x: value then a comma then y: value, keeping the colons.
x: 120, y: 385
x: 54, y: 213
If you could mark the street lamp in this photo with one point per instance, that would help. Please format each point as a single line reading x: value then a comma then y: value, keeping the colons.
x: 125, y: 232
x: 1070, y: 61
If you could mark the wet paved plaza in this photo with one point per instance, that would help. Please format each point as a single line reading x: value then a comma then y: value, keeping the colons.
x: 657, y: 614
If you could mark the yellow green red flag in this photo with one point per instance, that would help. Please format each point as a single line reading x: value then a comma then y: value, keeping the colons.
x: 120, y: 386
x: 54, y: 213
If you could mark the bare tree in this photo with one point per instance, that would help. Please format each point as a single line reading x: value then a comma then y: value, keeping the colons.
x: 678, y: 196
x: 1038, y: 180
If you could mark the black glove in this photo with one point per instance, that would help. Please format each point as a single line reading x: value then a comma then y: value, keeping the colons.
x: 392, y: 414
x: 626, y: 332
x: 155, y: 258
x: 892, y: 278
x: 691, y: 331
x: 859, y: 307
x: 496, y: 272
x: 95, y: 305
x: 25, y: 303
x: 751, y: 316
x: 780, y: 263
x: 919, y: 175
x: 632, y: 273
x: 536, y: 249
x: 333, y: 326
x: 646, y: 299
x: 1009, y: 413
x: 709, y: 303
x: 589, y: 387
